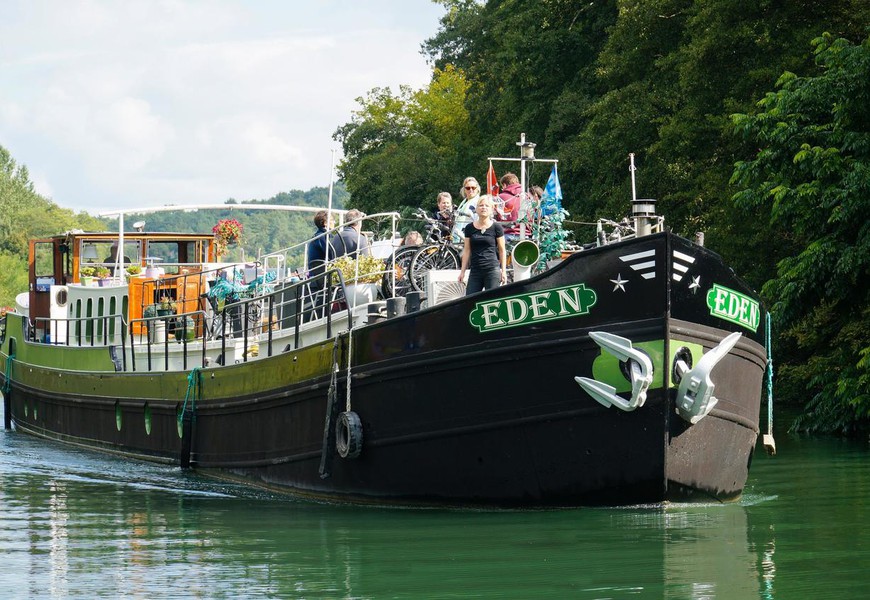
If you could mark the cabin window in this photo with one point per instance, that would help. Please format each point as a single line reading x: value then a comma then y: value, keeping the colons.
x: 187, y: 253
x: 43, y: 259
x: 164, y: 254
x: 174, y: 255
x: 103, y: 252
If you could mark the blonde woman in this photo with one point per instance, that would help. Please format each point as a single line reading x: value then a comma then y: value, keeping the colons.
x: 484, y: 250
x: 465, y: 213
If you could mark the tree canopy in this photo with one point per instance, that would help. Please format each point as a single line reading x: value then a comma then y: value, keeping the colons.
x: 401, y: 150
x: 811, y: 175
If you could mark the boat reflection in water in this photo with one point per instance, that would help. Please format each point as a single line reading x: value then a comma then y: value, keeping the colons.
x: 78, y: 525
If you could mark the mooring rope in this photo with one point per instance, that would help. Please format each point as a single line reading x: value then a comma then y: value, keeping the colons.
x: 194, y: 382
x: 7, y: 379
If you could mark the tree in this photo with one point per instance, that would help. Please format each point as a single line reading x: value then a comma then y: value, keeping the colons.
x: 24, y: 214
x: 529, y: 68
x: 401, y: 150
x: 811, y: 173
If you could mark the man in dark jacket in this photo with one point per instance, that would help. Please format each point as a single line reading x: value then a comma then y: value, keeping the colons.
x: 350, y: 240
x: 319, y: 246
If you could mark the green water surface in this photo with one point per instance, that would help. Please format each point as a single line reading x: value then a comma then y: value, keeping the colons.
x: 74, y: 524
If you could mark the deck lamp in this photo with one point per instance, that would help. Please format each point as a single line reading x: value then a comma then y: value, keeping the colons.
x: 527, y: 149
x: 89, y: 253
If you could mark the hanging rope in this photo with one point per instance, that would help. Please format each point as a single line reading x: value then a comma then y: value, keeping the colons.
x: 769, y: 442
x: 194, y: 384
x: 186, y: 423
x: 326, y: 452
x: 349, y: 354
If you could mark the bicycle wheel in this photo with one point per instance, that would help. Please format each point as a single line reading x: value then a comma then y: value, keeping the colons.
x: 404, y: 256
x: 432, y: 257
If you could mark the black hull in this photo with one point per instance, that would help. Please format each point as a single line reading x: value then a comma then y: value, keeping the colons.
x: 452, y: 415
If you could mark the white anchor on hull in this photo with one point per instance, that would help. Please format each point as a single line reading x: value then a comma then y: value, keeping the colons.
x: 639, y: 366
x: 695, y: 397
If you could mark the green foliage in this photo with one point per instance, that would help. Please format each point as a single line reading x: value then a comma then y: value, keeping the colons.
x: 24, y: 215
x: 13, y: 277
x: 400, y: 151
x: 365, y: 269
x: 812, y: 174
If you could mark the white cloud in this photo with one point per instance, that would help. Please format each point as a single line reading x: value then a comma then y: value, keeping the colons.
x: 141, y: 103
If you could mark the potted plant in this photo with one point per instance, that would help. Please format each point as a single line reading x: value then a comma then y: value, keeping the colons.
x: 185, y: 329
x: 133, y: 271
x: 227, y: 233
x: 361, y: 277
x: 166, y: 306
x: 102, y: 274
x: 86, y: 275
x: 156, y: 328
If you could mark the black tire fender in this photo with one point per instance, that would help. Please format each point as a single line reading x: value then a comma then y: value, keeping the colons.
x: 348, y: 435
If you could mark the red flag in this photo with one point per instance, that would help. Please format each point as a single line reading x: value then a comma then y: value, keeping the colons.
x: 491, y: 181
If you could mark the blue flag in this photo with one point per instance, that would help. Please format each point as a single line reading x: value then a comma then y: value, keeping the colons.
x: 551, y: 203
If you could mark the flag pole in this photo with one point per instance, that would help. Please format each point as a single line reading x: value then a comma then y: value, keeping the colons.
x: 527, y: 152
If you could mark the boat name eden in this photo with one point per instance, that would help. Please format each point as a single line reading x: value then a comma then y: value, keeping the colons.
x: 522, y: 309
x: 733, y: 306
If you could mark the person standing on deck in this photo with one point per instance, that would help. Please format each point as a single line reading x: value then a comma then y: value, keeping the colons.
x: 484, y: 250
x: 317, y: 247
x: 465, y: 213
x: 510, y: 195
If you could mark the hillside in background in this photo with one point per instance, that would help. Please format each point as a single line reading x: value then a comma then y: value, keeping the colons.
x: 24, y: 215
x: 263, y: 230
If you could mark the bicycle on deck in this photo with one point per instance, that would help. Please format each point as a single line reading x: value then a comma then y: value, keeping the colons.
x: 439, y: 253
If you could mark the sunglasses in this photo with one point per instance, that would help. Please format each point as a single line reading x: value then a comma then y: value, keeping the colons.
x: 470, y: 187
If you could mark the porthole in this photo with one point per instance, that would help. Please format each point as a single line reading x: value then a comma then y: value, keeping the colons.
x: 118, y: 415
x: 147, y: 412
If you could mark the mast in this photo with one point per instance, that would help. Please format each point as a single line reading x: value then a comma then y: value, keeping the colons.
x: 328, y: 208
x: 527, y: 154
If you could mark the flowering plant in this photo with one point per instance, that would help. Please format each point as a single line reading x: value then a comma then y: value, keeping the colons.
x: 370, y: 269
x: 226, y: 232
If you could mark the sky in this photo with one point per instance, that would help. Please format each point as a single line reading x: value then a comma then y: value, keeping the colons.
x: 139, y: 103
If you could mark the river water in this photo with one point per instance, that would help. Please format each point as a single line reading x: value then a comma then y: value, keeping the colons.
x: 75, y: 524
